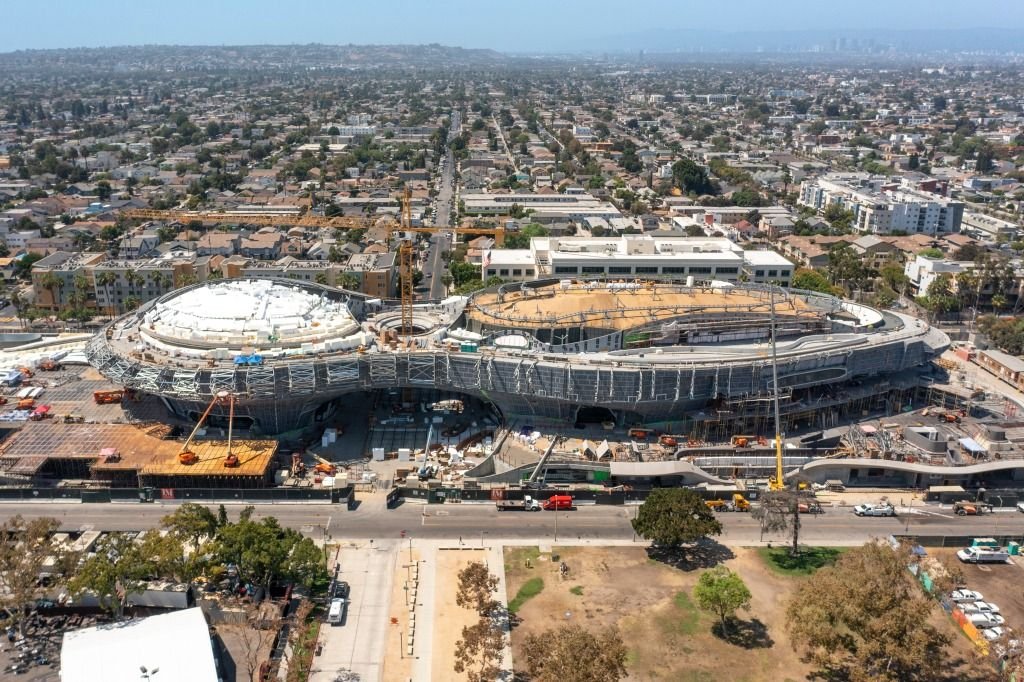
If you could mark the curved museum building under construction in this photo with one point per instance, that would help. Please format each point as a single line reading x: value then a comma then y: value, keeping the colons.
x: 630, y: 352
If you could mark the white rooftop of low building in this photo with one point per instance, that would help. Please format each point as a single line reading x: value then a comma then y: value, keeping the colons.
x: 511, y: 257
x: 171, y: 646
x: 765, y: 258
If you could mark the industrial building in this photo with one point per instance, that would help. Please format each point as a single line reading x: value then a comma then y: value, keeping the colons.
x: 630, y: 352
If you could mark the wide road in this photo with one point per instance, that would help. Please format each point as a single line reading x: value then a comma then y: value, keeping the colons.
x: 481, y: 522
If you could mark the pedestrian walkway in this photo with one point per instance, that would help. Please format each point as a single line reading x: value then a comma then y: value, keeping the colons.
x: 359, y: 643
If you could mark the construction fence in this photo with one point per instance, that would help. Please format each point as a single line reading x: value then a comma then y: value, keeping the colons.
x: 344, y: 495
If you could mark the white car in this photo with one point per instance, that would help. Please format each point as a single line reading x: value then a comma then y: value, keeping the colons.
x: 992, y: 634
x: 979, y: 607
x: 960, y: 596
x: 985, y: 620
x: 874, y: 510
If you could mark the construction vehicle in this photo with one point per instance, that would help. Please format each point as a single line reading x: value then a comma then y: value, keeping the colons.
x: 639, y: 434
x: 40, y: 413
x: 298, y: 469
x: 405, y: 249
x: 525, y: 504
x: 74, y: 419
x: 324, y: 466
x: 776, y: 482
x: 949, y: 418
x: 49, y: 365
x: 108, y: 397
x: 738, y: 503
x: 25, y: 372
x: 27, y: 404
x: 810, y: 507
x: 969, y: 508
x: 741, y: 441
x: 668, y: 441
x: 186, y: 456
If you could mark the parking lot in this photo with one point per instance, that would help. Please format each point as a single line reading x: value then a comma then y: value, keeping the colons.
x: 998, y: 584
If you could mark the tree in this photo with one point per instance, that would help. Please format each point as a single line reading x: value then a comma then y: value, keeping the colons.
x: 780, y: 513
x: 691, y: 178
x: 476, y: 589
x: 574, y: 654
x: 811, y: 280
x: 893, y: 276
x: 53, y: 284
x: 117, y: 569
x: 864, y: 619
x: 103, y: 190
x: 192, y: 522
x: 845, y: 267
x: 721, y: 592
x: 838, y: 217
x: 25, y: 547
x: 105, y: 279
x: 939, y: 297
x: 671, y: 517
x: 264, y: 551
x: 348, y: 281
x: 479, y: 650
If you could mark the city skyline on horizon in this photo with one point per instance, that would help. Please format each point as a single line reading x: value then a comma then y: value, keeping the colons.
x: 567, y: 27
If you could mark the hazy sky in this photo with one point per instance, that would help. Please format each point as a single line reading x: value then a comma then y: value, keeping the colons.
x: 520, y: 25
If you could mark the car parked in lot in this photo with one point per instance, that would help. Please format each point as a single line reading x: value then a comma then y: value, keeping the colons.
x: 985, y: 620
x: 959, y: 596
x: 979, y: 607
x: 874, y: 510
x: 992, y: 634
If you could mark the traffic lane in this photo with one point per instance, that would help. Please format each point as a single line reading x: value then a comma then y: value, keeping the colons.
x: 452, y: 521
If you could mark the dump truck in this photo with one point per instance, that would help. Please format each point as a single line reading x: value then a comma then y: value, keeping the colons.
x: 49, y: 365
x: 525, y: 504
x: 968, y: 508
x: 556, y: 502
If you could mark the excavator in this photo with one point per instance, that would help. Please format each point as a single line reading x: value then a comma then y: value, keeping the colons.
x: 187, y: 456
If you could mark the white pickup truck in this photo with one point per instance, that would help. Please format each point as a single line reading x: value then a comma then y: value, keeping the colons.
x: 874, y: 510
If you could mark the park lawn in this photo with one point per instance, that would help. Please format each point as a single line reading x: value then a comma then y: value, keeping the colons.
x: 810, y: 559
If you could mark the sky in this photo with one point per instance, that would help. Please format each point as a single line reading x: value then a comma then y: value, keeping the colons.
x: 517, y: 26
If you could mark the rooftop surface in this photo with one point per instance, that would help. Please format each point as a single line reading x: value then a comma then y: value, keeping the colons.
x: 172, y: 646
x: 245, y: 313
x: 137, y: 449
x: 621, y: 306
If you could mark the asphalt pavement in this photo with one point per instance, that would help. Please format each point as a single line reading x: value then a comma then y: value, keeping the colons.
x: 472, y: 523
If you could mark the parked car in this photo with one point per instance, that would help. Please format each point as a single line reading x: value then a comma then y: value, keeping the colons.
x: 1020, y: 507
x: 959, y: 596
x: 983, y: 555
x: 992, y: 634
x: 342, y: 590
x: 979, y: 607
x: 985, y: 620
x: 874, y: 510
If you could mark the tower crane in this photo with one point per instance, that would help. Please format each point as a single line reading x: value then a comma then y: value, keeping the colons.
x: 405, y: 250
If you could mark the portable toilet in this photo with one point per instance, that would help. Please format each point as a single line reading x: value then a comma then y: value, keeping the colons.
x: 1013, y: 548
x: 985, y: 542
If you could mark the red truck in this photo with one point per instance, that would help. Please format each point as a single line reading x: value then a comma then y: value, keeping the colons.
x: 556, y: 502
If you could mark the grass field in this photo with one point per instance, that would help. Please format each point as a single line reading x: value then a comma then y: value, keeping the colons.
x: 531, y: 588
x: 810, y: 559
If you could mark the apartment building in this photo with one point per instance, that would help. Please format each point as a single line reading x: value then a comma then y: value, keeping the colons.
x: 882, y: 206
x: 54, y: 278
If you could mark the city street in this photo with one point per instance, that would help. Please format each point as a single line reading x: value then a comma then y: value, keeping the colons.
x: 481, y: 523
x: 433, y: 265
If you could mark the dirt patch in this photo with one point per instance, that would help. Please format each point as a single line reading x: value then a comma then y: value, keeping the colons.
x: 449, y: 617
x: 667, y: 636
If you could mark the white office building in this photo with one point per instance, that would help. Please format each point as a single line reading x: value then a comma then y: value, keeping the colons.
x: 636, y: 257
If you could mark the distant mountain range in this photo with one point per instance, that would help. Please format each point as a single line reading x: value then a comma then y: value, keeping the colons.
x: 839, y: 40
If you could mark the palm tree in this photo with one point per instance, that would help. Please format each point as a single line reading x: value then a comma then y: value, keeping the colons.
x: 53, y: 283
x: 135, y: 280
x: 105, y: 279
x: 19, y: 307
x: 321, y: 278
x: 348, y: 281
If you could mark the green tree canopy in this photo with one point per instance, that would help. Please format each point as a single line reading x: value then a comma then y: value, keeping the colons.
x: 672, y: 517
x: 811, y: 280
x: 722, y: 592
x: 691, y: 178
